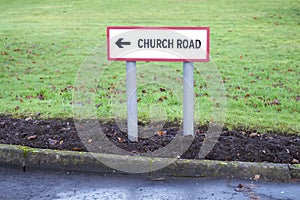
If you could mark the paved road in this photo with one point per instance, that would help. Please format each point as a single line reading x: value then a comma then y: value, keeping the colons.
x: 16, y: 184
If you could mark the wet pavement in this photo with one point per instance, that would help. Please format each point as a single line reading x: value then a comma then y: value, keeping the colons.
x: 16, y: 184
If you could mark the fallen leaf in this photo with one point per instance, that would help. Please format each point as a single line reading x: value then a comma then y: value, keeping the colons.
x: 90, y: 141
x: 41, y: 97
x: 97, y: 105
x: 256, y: 177
x: 52, y: 141
x: 28, y: 119
x: 2, y: 124
x: 253, y: 197
x: 242, y: 188
x: 32, y: 137
x: 162, y: 98
x: 162, y: 89
x: 158, y: 179
x: 247, y: 95
x: 275, y: 102
x: 77, y: 149
x: 120, y: 139
x: 29, y: 97
x: 11, y: 58
x: 63, y: 129
x: 161, y: 133
x: 297, y: 98
x: 295, y: 161
x: 253, y: 135
x: 94, y: 90
x: 17, y: 107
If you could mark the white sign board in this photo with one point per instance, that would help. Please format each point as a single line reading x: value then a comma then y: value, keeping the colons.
x: 174, y: 44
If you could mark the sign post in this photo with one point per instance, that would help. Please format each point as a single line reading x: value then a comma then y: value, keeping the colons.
x: 132, y: 121
x: 171, y: 44
x: 188, y: 98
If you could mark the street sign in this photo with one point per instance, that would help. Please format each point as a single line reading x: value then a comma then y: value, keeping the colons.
x: 174, y: 44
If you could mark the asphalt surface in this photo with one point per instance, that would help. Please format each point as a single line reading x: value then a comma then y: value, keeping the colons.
x: 16, y: 184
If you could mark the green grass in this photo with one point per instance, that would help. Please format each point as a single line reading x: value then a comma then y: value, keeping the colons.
x: 254, y: 44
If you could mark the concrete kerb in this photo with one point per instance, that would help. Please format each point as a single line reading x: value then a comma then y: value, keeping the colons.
x: 29, y: 158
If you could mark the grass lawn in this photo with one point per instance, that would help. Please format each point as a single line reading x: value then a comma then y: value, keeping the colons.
x: 255, y: 45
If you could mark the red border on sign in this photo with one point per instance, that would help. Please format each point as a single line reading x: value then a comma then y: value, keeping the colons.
x: 158, y: 59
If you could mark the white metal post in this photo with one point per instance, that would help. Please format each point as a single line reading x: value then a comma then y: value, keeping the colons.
x: 188, y: 98
x: 132, y: 121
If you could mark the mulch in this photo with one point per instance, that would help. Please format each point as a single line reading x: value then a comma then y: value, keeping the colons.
x: 232, y: 145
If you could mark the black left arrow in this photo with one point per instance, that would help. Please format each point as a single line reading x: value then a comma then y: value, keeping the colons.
x: 120, y: 44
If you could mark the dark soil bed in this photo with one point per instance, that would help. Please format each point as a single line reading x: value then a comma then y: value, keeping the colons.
x: 232, y: 145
